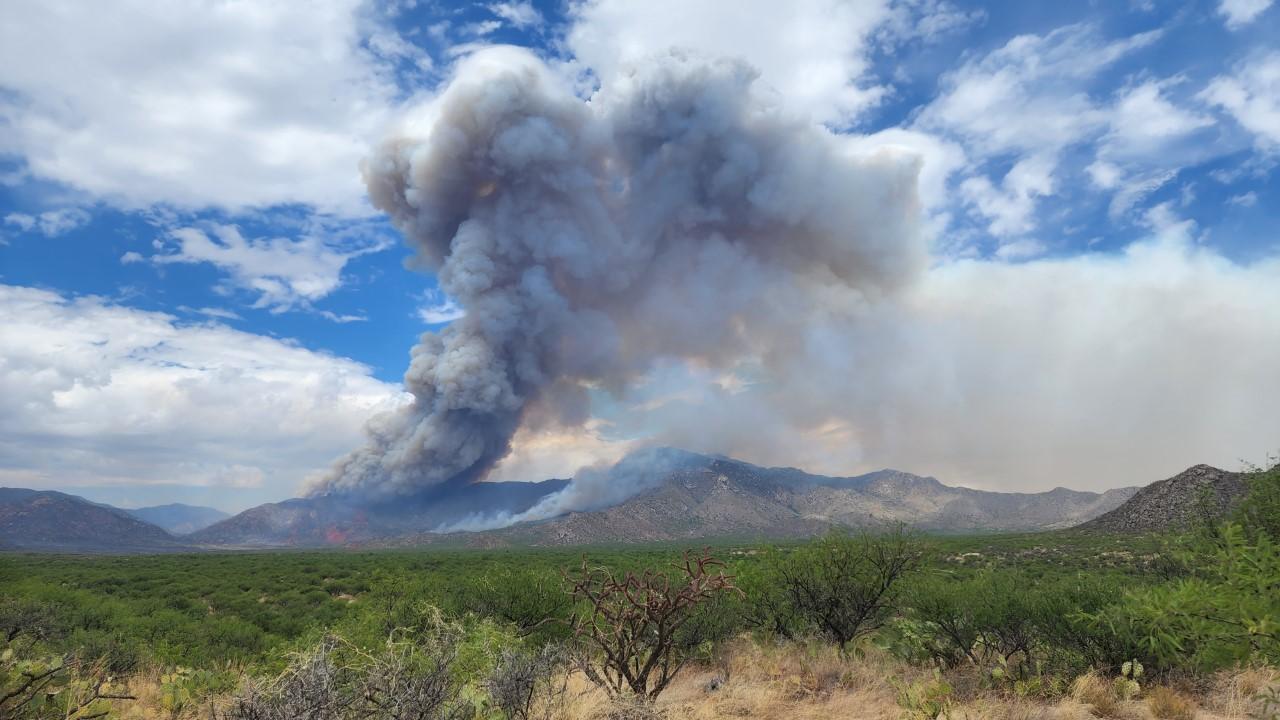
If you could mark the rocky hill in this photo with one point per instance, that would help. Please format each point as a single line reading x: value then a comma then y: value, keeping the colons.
x: 340, y: 520
x: 1175, y: 503
x: 179, y: 519
x: 720, y: 497
x: 44, y: 520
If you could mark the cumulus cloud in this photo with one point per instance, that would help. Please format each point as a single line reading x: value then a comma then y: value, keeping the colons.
x: 1246, y: 199
x: 813, y: 52
x: 283, y: 273
x: 679, y: 213
x: 1011, y: 207
x: 1026, y: 100
x: 1028, y: 96
x: 93, y: 393
x: 1252, y: 96
x: 520, y: 14
x: 1145, y: 121
x: 439, y: 308
x: 250, y: 106
x: 1238, y: 13
x: 50, y: 223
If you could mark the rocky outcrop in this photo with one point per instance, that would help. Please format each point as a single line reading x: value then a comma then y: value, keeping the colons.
x: 1201, y: 491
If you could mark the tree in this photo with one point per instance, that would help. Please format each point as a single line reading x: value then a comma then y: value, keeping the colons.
x: 628, y: 627
x: 846, y: 585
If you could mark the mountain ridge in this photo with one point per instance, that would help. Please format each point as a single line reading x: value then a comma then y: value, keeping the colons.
x: 729, y: 498
x: 668, y: 495
x: 682, y: 496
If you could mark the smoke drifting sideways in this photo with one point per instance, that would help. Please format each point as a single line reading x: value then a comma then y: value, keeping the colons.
x: 679, y: 212
x: 592, y: 488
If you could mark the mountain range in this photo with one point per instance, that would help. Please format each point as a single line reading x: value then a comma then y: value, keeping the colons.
x: 46, y: 520
x: 179, y: 519
x: 674, y: 496
x: 706, y: 497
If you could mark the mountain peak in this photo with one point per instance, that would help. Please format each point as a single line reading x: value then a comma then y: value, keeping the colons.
x: 1175, y: 502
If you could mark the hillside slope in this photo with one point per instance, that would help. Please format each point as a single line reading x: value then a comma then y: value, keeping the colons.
x: 45, y: 520
x: 1175, y: 503
x: 178, y: 518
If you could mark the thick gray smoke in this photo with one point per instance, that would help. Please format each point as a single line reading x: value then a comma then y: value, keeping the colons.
x: 680, y: 212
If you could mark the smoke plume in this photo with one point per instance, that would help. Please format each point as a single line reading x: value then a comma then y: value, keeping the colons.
x: 680, y: 212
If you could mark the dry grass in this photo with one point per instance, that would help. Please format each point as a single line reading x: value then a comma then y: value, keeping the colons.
x: 1098, y: 695
x: 813, y: 682
x: 1239, y: 693
x: 1169, y: 704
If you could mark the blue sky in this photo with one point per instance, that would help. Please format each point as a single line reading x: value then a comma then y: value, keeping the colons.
x: 203, y: 305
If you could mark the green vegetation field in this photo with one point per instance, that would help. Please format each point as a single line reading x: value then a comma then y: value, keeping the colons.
x: 245, y: 608
x: 1029, y: 614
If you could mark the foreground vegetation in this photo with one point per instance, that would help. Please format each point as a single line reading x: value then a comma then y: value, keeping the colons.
x: 880, y: 625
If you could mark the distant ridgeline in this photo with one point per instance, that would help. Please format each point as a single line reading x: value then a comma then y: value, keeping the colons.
x: 696, y: 497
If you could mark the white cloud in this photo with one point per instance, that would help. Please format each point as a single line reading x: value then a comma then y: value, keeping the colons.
x: 1021, y: 249
x: 198, y: 104
x: 1247, y: 199
x: 283, y: 273
x: 1252, y: 97
x: 1011, y: 207
x: 1029, y: 95
x: 812, y: 52
x: 1105, y: 175
x: 211, y: 312
x: 482, y: 28
x: 22, y: 221
x: 520, y: 14
x: 926, y: 21
x: 93, y: 393
x: 1027, y: 100
x: 1136, y: 189
x: 50, y: 223
x: 439, y: 308
x: 1238, y: 13
x: 1144, y: 121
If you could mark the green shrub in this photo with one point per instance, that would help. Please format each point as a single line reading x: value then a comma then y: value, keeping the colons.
x: 846, y: 586
x: 1228, y: 614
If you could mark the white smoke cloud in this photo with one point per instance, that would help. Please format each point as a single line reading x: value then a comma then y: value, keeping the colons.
x: 679, y: 213
x: 600, y: 485
x: 1090, y: 372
